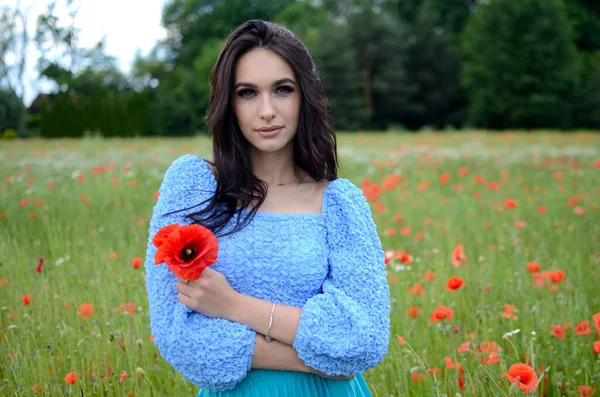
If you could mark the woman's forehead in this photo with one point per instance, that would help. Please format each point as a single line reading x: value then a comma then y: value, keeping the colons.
x: 262, y: 68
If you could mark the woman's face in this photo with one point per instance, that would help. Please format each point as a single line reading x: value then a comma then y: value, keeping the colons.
x: 266, y: 95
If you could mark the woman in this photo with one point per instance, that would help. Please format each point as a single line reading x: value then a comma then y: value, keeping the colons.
x: 297, y: 303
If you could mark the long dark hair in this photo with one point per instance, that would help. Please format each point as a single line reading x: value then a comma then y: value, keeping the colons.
x: 315, y: 145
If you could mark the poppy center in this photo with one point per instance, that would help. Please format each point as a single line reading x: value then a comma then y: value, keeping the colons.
x: 188, y: 254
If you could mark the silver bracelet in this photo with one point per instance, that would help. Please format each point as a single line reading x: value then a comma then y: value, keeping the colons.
x: 268, y: 337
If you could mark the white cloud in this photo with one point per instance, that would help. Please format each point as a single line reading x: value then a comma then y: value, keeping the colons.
x: 128, y: 25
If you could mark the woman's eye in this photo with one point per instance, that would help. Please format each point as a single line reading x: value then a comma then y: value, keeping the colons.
x: 251, y: 93
x: 286, y: 89
x: 243, y: 93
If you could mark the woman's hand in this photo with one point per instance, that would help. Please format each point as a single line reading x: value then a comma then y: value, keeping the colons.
x: 210, y: 294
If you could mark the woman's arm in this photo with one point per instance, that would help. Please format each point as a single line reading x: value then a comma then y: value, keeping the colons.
x: 255, y: 313
x: 279, y: 356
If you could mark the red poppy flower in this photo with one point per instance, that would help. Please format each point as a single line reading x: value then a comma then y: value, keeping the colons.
x: 413, y: 312
x: 522, y: 376
x: 510, y: 203
x: 416, y: 290
x: 136, y: 262
x: 187, y: 250
x: 403, y: 257
x: 418, y: 377
x: 464, y: 347
x: 558, y: 331
x: 71, y: 378
x: 458, y: 256
x: 40, y: 264
x: 533, y: 267
x: 596, y: 348
x: 85, y: 310
x: 490, y: 352
x: 556, y: 276
x: 596, y: 319
x: 441, y: 313
x: 454, y: 283
x: 583, y: 328
x: 163, y: 234
x: 585, y: 391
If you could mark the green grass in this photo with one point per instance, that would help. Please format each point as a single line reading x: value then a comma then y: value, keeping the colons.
x: 88, y: 231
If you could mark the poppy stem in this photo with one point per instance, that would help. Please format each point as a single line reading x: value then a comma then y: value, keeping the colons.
x: 541, y: 377
x: 494, y: 382
x: 435, y: 382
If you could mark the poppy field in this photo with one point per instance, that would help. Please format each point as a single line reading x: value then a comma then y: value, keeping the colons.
x: 492, y: 246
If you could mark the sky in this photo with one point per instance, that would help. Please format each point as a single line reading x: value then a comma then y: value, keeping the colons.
x: 128, y: 25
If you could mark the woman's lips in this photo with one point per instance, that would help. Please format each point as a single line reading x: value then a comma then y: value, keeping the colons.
x: 270, y: 133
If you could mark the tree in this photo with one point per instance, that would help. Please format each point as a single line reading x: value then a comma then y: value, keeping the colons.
x: 11, y: 110
x: 432, y: 66
x: 519, y: 65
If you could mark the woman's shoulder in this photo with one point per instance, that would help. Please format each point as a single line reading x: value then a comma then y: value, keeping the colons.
x: 344, y: 189
x: 342, y: 196
x: 189, y: 170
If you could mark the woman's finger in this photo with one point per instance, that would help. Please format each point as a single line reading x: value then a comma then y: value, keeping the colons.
x: 184, y: 288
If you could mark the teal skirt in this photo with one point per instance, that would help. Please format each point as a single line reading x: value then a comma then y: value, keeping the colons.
x: 273, y: 383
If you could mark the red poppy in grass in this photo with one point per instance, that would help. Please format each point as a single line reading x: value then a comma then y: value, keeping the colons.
x: 508, y: 311
x: 413, y: 312
x: 441, y: 313
x: 490, y: 352
x: 403, y: 257
x: 533, y: 267
x: 186, y: 250
x: 40, y: 264
x: 401, y: 341
x: 429, y: 276
x: 583, y: 328
x: 418, y: 377
x: 136, y: 262
x: 71, y: 378
x: 556, y: 276
x: 596, y: 348
x: 458, y: 256
x: 26, y: 299
x: 85, y: 310
x: 455, y: 283
x: 510, y: 203
x: 444, y: 178
x: 416, y: 290
x: 464, y: 347
x: 596, y: 319
x: 522, y: 376
x: 558, y: 331
x: 585, y: 391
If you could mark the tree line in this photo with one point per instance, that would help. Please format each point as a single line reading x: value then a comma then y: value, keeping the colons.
x: 385, y: 64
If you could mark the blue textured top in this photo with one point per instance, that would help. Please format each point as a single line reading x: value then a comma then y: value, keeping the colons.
x: 329, y: 264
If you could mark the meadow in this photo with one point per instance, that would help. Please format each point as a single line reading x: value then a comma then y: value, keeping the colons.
x: 492, y: 246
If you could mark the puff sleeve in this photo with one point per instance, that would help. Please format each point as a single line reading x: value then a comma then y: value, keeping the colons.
x: 212, y: 353
x: 346, y: 329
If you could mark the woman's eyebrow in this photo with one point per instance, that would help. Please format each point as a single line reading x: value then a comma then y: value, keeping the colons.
x: 276, y: 83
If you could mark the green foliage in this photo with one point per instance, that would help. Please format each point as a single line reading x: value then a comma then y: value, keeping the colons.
x: 519, y: 65
x: 587, y: 111
x: 12, y: 110
x: 432, y: 66
x: 111, y: 114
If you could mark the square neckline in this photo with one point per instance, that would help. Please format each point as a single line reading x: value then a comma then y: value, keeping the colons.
x: 281, y: 214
